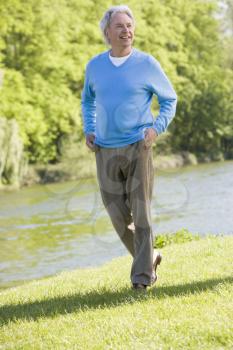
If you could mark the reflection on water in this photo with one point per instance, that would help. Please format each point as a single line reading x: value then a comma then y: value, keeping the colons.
x: 50, y: 228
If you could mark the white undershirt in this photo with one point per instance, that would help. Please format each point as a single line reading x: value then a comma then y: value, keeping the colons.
x: 117, y: 61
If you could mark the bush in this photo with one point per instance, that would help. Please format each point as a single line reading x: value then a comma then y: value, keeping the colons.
x: 180, y: 236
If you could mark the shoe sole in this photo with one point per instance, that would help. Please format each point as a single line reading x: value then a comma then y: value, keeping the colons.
x: 157, y: 262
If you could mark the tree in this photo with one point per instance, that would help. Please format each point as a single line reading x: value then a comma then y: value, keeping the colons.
x: 45, y: 45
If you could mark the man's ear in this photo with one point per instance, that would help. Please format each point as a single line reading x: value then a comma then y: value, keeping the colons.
x: 107, y: 33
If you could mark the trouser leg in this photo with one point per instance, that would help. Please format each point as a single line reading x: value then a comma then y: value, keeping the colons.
x: 125, y: 178
x: 112, y: 190
x: 121, y: 218
x: 139, y: 187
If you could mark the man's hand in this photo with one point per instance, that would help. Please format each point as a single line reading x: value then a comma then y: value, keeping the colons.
x: 150, y: 136
x: 90, y: 138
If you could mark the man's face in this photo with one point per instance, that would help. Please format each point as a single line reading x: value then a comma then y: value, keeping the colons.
x: 120, y: 31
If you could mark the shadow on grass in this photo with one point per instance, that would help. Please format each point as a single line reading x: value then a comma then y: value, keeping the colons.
x: 104, y: 298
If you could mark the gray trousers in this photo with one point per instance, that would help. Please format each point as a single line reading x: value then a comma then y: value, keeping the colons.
x: 125, y: 177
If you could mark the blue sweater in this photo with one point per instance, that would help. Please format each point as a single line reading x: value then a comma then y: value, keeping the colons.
x: 116, y: 101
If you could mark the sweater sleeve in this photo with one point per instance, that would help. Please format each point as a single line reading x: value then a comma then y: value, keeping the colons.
x: 167, y: 98
x: 88, y: 105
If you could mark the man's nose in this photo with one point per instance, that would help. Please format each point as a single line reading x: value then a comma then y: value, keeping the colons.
x: 125, y: 29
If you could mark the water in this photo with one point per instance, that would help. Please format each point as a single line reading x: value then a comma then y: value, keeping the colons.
x: 50, y: 228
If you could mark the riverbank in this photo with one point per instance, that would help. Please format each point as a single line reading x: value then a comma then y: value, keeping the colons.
x: 84, y: 167
x: 190, y: 307
x: 73, y: 169
x: 77, y: 162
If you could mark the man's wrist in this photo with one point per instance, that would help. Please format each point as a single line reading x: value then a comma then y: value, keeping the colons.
x: 156, y: 131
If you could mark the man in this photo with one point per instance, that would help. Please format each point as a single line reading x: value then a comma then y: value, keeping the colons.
x: 120, y: 129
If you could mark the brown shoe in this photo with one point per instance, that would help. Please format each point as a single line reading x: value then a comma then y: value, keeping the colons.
x: 157, y: 261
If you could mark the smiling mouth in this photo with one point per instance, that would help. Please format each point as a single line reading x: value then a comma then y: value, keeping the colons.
x: 125, y: 37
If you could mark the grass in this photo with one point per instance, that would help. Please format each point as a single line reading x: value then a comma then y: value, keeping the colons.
x: 189, y: 308
x: 180, y: 236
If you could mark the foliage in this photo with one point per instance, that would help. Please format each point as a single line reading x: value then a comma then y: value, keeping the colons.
x: 45, y: 45
x: 180, y: 236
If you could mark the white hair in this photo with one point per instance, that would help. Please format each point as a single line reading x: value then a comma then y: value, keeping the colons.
x: 105, y: 21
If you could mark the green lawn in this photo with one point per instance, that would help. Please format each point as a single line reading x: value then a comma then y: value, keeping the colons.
x: 191, y: 306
